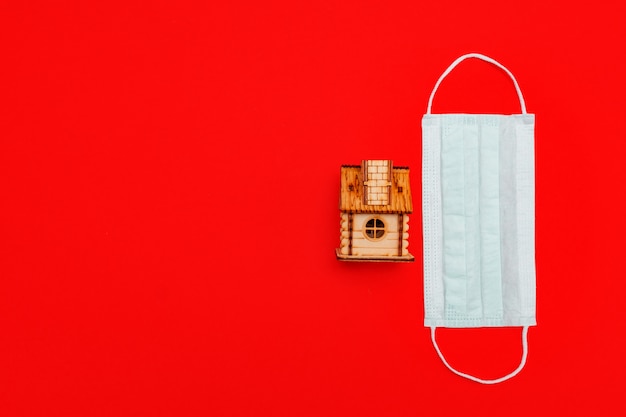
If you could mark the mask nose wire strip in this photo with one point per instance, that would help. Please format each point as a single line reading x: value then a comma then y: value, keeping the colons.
x: 485, y: 381
x: 484, y: 58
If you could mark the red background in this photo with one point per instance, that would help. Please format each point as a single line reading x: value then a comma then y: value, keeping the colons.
x: 169, y: 185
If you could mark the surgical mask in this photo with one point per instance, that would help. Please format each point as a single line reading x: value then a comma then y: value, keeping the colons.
x: 478, y: 190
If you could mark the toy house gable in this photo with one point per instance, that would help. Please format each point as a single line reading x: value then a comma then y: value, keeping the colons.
x: 375, y: 203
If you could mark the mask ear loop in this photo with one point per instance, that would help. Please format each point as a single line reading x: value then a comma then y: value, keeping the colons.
x: 486, y: 381
x: 525, y: 329
x: 484, y: 58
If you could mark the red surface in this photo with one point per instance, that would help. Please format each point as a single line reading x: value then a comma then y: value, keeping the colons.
x: 169, y: 185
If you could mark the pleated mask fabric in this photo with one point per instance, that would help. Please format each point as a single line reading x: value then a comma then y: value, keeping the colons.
x: 478, y: 201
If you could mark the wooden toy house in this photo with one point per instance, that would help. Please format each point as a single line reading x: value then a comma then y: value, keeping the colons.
x: 375, y: 203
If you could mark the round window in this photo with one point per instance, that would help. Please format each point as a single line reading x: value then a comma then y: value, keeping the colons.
x: 375, y: 229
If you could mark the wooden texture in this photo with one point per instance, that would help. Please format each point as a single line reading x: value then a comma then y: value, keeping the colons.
x: 400, y: 232
x: 389, y: 241
x: 374, y: 258
x: 374, y: 190
x: 390, y: 220
x: 405, y: 236
x: 345, y: 234
x: 377, y: 183
x: 352, y: 198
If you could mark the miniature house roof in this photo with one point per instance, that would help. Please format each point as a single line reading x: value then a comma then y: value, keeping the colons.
x: 353, y: 198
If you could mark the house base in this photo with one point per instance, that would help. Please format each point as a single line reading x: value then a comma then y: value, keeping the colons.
x: 374, y: 258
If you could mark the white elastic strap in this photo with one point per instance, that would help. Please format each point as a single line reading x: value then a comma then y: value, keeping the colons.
x: 486, y: 381
x: 484, y: 58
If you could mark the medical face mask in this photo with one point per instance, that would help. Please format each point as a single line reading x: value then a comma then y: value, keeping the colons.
x: 478, y: 188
